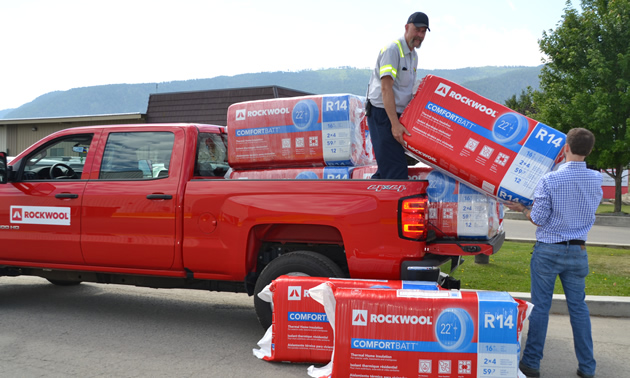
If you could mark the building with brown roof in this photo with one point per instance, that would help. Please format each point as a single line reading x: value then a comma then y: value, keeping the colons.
x: 208, y: 106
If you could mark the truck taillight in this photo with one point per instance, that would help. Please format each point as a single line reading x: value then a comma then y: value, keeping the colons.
x: 413, y: 221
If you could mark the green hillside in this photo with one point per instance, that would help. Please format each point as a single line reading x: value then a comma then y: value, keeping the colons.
x: 495, y: 83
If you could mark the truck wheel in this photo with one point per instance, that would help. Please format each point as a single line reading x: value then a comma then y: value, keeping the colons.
x: 63, y: 282
x: 300, y: 263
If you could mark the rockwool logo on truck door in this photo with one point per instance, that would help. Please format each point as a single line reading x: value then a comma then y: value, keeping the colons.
x: 58, y: 216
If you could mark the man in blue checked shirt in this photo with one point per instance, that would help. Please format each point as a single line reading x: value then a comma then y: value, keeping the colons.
x: 564, y: 208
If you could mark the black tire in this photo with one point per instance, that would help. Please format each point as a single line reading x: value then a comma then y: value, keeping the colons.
x: 63, y: 282
x: 303, y: 263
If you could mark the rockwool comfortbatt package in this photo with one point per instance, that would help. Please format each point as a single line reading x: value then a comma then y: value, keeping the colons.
x: 312, y: 173
x: 481, y: 142
x: 423, y: 334
x: 455, y: 209
x: 300, y: 331
x: 323, y: 130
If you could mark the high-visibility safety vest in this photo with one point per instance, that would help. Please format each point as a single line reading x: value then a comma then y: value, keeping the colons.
x: 400, y: 62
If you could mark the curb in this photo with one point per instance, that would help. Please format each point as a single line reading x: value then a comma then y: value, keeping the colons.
x: 618, y: 307
x: 600, y: 220
x: 588, y: 243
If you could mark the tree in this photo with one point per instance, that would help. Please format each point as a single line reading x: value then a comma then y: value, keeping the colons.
x: 524, y: 104
x: 586, y: 78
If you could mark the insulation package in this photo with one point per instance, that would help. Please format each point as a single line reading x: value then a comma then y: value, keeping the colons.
x: 300, y: 331
x: 478, y: 141
x: 319, y: 130
x: 424, y: 334
x: 311, y: 173
x: 456, y: 210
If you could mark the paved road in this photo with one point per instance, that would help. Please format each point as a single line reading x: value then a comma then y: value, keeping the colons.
x: 118, y: 331
x: 604, y: 235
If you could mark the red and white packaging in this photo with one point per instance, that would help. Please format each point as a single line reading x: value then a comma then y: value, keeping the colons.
x: 424, y: 334
x: 459, y: 211
x: 322, y: 130
x: 363, y: 173
x: 312, y: 173
x: 416, y: 172
x: 455, y: 209
x: 300, y: 331
x: 478, y: 141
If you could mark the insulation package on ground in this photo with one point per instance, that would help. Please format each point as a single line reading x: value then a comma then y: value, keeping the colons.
x: 300, y: 331
x: 483, y: 143
x: 425, y: 334
x: 318, y: 130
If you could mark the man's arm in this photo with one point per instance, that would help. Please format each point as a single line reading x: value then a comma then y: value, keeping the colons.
x: 398, y: 130
x: 516, y: 206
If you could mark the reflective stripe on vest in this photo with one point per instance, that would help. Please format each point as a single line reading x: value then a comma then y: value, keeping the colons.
x: 387, y: 69
x: 397, y: 42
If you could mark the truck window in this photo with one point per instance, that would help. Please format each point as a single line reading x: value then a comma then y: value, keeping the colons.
x: 61, y: 159
x: 211, y: 155
x: 137, y: 155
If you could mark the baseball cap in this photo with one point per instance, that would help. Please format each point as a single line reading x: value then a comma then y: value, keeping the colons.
x: 420, y: 20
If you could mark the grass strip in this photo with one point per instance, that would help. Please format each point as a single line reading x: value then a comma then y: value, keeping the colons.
x: 508, y: 270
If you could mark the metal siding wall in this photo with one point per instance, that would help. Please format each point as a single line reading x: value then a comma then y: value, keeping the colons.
x: 12, y: 140
x: 20, y: 137
x: 26, y: 136
x: 3, y: 138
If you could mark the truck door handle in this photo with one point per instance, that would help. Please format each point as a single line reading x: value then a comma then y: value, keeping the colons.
x: 159, y: 196
x: 66, y: 195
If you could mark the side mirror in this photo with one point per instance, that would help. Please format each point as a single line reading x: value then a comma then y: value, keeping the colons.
x: 4, y: 171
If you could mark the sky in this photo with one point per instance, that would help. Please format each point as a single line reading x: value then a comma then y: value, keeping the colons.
x: 58, y: 45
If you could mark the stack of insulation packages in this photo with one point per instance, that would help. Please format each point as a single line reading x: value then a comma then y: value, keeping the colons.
x: 377, y: 328
x: 311, y: 137
x: 326, y: 137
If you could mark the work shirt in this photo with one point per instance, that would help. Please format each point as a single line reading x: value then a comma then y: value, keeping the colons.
x: 565, y: 202
x: 399, y: 62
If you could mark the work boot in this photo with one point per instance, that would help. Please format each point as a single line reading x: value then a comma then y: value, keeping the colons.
x: 531, y: 372
x: 584, y: 375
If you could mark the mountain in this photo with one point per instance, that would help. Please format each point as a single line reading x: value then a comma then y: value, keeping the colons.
x: 503, y: 86
x: 5, y: 111
x: 495, y: 83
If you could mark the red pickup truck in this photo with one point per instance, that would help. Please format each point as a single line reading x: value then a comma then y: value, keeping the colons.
x: 135, y: 204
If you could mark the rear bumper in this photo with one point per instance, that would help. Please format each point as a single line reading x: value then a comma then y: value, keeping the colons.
x: 466, y: 247
x: 441, y: 252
